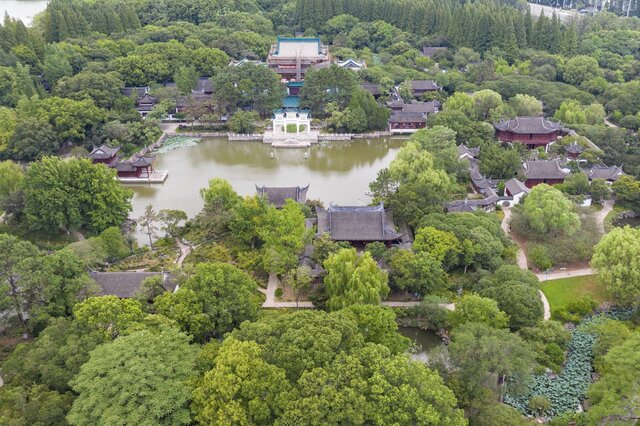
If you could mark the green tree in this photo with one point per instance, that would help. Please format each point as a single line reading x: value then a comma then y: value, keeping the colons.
x: 211, y: 302
x: 548, y: 212
x: 499, y: 163
x: 486, y: 101
x: 127, y: 381
x: 418, y: 273
x: 326, y: 85
x: 186, y: 79
x: 581, y: 68
x: 378, y: 325
x: 8, y: 125
x: 82, y: 196
x: 614, y: 396
x: 32, y: 139
x: 243, y: 121
x: 54, y: 358
x: 170, y: 219
x: 109, y: 314
x: 473, y: 308
x: 441, y: 246
x: 56, y: 64
x: 483, y: 357
x: 525, y: 105
x: 103, y: 88
x: 440, y: 142
x: 370, y: 387
x: 615, y: 260
x: 11, y: 178
x: 241, y: 388
x: 353, y: 279
x: 463, y: 103
x: 627, y: 191
x: 283, y: 233
x: 521, y: 303
x: 34, y: 405
x: 147, y: 222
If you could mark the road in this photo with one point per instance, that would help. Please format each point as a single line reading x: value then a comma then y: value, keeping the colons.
x: 564, y: 15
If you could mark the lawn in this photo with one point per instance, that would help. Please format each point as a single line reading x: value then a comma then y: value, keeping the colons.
x: 562, y: 291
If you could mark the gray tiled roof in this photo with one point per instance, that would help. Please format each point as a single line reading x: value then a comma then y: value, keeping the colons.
x: 127, y: 284
x: 421, y: 107
x: 461, y: 206
x: 103, y: 152
x: 574, y: 148
x: 463, y: 149
x: 544, y: 169
x: 406, y: 117
x: 430, y: 51
x: 424, y: 85
x: 372, y: 88
x: 357, y: 223
x: 278, y: 195
x: 611, y: 173
x: 514, y: 186
x: 529, y: 125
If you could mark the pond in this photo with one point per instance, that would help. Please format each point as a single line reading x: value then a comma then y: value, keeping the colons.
x: 24, y: 10
x: 337, y: 172
x: 425, y: 340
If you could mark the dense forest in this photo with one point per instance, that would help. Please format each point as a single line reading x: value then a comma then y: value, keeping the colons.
x: 192, y: 343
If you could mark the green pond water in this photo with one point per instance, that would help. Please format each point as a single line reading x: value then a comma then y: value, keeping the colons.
x: 337, y: 172
x: 424, y: 340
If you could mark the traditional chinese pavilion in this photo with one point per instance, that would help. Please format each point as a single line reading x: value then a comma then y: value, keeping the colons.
x: 406, y: 122
x: 140, y: 167
x: 533, y: 132
x: 543, y: 171
x: 105, y: 155
x: 358, y: 225
x: 278, y: 195
x: 291, y: 57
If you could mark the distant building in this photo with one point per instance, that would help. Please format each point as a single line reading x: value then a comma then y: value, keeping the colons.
x: 430, y: 52
x: 402, y: 122
x: 140, y: 167
x: 127, y: 284
x: 543, y: 171
x: 515, y: 189
x: 352, y: 64
x: 144, y: 102
x: 532, y: 132
x: 608, y: 173
x: 372, y: 88
x: 292, y: 57
x: 277, y: 195
x: 104, y: 155
x: 358, y: 225
x: 573, y: 150
x: 243, y: 61
x: 420, y: 87
x: 465, y: 153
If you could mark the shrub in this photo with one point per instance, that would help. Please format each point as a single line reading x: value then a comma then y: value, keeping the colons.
x: 583, y: 306
x: 279, y: 292
x: 539, y: 256
x: 539, y: 404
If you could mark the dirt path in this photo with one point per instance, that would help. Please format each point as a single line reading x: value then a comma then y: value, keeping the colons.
x: 184, y: 252
x: 602, y: 214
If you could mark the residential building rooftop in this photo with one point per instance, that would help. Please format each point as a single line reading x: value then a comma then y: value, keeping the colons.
x: 357, y: 223
x: 277, y: 195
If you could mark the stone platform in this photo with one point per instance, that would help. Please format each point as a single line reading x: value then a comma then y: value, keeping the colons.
x: 290, y: 140
x: 158, y: 176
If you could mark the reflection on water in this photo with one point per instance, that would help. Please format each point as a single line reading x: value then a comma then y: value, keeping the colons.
x: 425, y: 340
x: 338, y: 172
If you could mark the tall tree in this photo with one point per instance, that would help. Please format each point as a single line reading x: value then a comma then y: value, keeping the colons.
x: 353, y: 279
x: 148, y: 223
x: 128, y: 381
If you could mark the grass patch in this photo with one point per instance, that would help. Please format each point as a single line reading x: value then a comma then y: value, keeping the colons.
x: 561, y: 292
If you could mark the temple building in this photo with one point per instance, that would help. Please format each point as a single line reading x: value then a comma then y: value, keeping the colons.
x: 105, y: 155
x: 402, y: 122
x: 532, y: 132
x: 144, y: 102
x: 291, y: 57
x: 608, y: 173
x: 420, y: 87
x: 358, y: 225
x: 352, y: 64
x: 140, y: 167
x: 277, y: 195
x: 543, y: 171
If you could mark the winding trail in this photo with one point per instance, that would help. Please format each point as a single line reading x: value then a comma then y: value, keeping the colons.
x: 184, y: 252
x: 521, y: 259
x: 602, y: 214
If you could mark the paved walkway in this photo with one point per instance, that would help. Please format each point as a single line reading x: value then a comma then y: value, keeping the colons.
x: 521, y: 259
x: 184, y: 252
x: 556, y: 275
x: 602, y: 214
